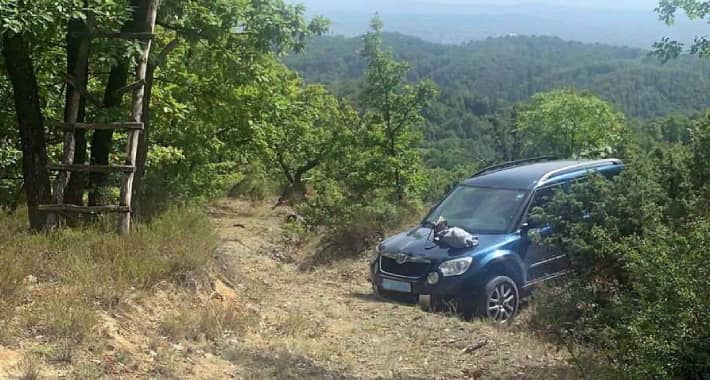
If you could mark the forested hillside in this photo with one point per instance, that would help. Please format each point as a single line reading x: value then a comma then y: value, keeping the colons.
x: 273, y: 283
x: 480, y: 77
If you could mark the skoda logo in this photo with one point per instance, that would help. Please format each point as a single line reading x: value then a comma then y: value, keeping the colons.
x: 401, y: 258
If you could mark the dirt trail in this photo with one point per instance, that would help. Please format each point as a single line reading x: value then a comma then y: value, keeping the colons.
x: 287, y: 323
x: 327, y: 324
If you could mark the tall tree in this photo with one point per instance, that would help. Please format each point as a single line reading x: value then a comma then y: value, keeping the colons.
x: 567, y: 123
x: 32, y: 33
x: 20, y: 69
x: 306, y: 127
x: 220, y: 52
x: 392, y: 113
x: 75, y: 188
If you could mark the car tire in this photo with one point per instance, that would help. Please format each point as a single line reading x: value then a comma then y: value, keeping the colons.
x: 498, y: 300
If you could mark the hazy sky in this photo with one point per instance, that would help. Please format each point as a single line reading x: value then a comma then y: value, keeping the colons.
x: 628, y: 4
x: 647, y: 5
x: 618, y: 22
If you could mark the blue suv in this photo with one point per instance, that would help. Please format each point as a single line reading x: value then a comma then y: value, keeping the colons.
x: 487, y: 278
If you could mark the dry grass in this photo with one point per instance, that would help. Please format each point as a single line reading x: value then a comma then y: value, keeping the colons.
x: 164, y: 364
x: 87, y: 371
x: 7, y: 312
x: 103, y: 264
x: 29, y: 368
x: 202, y: 322
x: 299, y: 325
x: 53, y: 285
x: 59, y: 316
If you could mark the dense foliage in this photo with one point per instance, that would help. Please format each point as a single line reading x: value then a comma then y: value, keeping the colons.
x: 481, y: 76
x: 568, y: 124
x: 481, y: 82
x: 361, y: 152
x: 638, y: 247
x: 206, y: 56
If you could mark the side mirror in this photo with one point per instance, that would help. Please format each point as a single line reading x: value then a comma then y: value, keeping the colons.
x: 530, y: 232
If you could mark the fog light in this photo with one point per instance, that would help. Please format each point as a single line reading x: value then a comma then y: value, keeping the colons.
x: 432, y: 278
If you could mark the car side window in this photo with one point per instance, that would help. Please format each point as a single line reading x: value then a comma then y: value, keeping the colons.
x: 568, y: 186
x: 543, y: 196
x: 540, y: 199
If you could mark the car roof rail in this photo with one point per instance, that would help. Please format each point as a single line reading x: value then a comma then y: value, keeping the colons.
x: 581, y: 166
x: 511, y: 164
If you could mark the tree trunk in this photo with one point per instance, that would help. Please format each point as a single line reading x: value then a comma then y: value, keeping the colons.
x: 142, y: 155
x: 102, y: 140
x: 143, y: 147
x: 75, y: 189
x: 18, y: 62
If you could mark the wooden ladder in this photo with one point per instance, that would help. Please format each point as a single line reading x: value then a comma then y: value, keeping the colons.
x: 133, y: 128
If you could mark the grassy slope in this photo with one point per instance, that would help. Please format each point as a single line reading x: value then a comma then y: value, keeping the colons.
x: 248, y: 312
x: 66, y: 295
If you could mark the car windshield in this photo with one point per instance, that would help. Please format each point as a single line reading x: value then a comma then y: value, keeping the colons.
x: 479, y: 209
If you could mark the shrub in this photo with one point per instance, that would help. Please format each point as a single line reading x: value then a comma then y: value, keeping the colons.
x: 87, y: 371
x: 352, y: 226
x: 638, y: 248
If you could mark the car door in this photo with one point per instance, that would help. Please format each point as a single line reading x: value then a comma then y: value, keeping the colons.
x: 541, y: 263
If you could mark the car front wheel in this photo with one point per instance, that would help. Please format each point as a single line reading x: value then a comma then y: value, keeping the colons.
x: 499, y: 300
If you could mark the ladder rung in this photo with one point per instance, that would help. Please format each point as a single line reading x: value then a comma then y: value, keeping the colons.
x: 122, y: 35
x: 79, y: 87
x: 101, y: 126
x: 83, y: 209
x: 130, y: 87
x: 92, y: 168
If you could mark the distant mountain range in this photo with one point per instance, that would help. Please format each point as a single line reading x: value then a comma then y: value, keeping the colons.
x: 506, y: 70
x: 483, y: 78
x: 626, y: 23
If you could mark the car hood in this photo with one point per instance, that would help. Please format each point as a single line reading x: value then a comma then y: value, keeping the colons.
x: 418, y: 242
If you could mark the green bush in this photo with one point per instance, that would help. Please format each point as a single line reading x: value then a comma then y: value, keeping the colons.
x: 638, y: 247
x: 352, y: 224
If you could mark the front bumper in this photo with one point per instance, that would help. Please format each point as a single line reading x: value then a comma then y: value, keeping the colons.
x: 447, y: 287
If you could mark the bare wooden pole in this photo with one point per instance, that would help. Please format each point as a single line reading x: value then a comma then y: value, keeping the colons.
x: 53, y: 219
x: 134, y: 135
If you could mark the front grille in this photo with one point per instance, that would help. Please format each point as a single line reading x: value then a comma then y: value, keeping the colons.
x: 408, y: 269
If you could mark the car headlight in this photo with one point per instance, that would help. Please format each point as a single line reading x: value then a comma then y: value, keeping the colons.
x: 455, y: 267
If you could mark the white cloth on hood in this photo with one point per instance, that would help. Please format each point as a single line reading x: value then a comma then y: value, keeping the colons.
x: 457, y: 237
